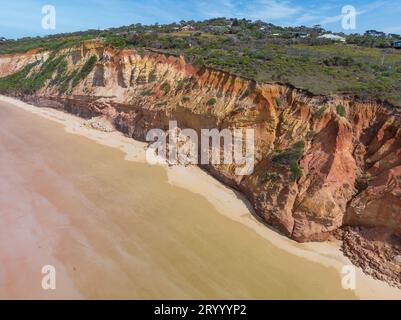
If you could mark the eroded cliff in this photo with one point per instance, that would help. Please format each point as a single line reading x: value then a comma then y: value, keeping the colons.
x: 321, y: 162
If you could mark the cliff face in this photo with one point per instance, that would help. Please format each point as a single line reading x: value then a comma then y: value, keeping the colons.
x: 349, y: 150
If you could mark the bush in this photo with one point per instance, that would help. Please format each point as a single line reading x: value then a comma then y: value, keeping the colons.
x: 180, y: 85
x: 212, y: 102
x: 116, y: 42
x: 141, y: 52
x: 288, y: 156
x: 340, y: 110
x: 296, y: 171
x: 85, y: 71
x: 147, y: 92
x: 279, y: 101
x: 310, y: 135
x: 199, y: 62
x: 165, y: 87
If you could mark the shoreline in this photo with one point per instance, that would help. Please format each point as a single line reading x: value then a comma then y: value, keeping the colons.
x: 226, y: 201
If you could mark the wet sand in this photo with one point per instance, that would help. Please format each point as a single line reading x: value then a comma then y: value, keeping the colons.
x: 123, y: 229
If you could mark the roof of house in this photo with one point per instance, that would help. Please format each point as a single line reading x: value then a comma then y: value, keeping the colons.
x: 332, y: 37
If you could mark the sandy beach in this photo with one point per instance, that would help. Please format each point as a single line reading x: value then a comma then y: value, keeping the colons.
x: 226, y: 201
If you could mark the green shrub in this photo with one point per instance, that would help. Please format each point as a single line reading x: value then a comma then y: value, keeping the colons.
x: 310, y: 135
x: 198, y: 62
x: 296, y: 171
x: 147, y: 92
x: 340, y: 110
x: 212, y: 102
x: 165, y: 87
x: 116, y: 42
x: 279, y: 101
x: 286, y: 157
x: 141, y: 52
x: 85, y: 70
x: 180, y: 85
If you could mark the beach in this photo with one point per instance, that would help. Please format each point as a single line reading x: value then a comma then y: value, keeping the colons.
x: 23, y: 230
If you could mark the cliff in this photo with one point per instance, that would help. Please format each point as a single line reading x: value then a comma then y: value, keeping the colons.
x: 348, y: 151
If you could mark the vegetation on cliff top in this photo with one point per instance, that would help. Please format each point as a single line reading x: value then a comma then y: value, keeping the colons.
x: 366, y: 65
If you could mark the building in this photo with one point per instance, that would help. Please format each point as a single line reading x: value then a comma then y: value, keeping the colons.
x: 374, y: 33
x: 188, y: 28
x: 332, y: 37
x: 397, y: 44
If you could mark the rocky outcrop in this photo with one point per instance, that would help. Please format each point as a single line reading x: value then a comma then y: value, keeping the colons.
x: 347, y: 151
x: 376, y: 250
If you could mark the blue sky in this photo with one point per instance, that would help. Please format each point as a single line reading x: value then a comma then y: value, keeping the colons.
x: 23, y: 17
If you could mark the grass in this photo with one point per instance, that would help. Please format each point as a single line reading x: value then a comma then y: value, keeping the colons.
x: 85, y: 70
x: 291, y: 158
x: 147, y: 93
x: 296, y: 171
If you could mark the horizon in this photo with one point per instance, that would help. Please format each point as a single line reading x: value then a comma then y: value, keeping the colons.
x: 73, y: 16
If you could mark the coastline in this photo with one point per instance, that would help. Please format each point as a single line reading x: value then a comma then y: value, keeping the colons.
x: 228, y: 202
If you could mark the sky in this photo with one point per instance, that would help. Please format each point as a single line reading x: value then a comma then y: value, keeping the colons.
x: 19, y: 18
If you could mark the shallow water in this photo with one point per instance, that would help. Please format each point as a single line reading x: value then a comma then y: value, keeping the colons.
x: 118, y: 229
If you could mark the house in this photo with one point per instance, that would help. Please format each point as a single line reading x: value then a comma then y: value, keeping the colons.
x: 332, y: 37
x: 374, y: 33
x: 397, y: 44
x: 188, y: 28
